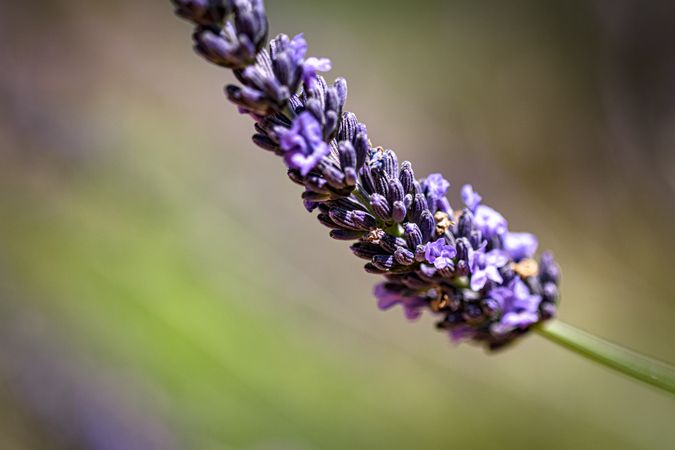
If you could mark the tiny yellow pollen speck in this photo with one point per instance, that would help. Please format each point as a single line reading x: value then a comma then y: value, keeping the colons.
x: 526, y: 268
x: 443, y: 222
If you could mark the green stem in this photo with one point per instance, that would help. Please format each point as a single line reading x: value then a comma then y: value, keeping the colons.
x: 628, y: 362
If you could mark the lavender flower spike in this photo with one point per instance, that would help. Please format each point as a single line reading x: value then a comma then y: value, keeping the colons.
x: 466, y: 268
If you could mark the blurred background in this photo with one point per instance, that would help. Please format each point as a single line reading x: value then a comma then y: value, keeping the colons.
x: 162, y: 287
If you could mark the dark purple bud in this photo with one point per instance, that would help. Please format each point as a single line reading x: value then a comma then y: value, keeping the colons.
x: 285, y: 70
x: 390, y: 243
x: 462, y: 245
x: 362, y: 147
x: 396, y: 193
x: 265, y: 142
x: 295, y: 104
x: 407, y: 200
x: 315, y: 196
x: 398, y: 212
x: 266, y: 125
x: 341, y: 88
x: 314, y: 106
x: 343, y: 218
x: 324, y: 208
x: 548, y: 269
x: 476, y: 239
x: 346, y: 235
x: 366, y: 250
x: 412, y: 234
x: 381, y: 181
x: 547, y: 310
x: 208, y: 13
x: 380, y: 206
x: 317, y: 90
x: 507, y: 274
x: 550, y: 292
x: 251, y: 21
x: 222, y: 48
x: 317, y: 184
x: 390, y: 163
x: 347, y: 154
x: 404, y: 256
x: 330, y: 125
x: 348, y: 204
x: 534, y: 285
x: 465, y: 224
x: 406, y: 176
x: 332, y: 100
x: 347, y: 128
x: 418, y: 206
x: 383, y: 262
x: 283, y: 64
x: 427, y: 225
x: 364, y: 220
x: 366, y: 176
x: 255, y: 101
x: 350, y: 176
x: 295, y: 177
x: 327, y: 221
x: 371, y: 268
x: 334, y: 176
x: 495, y: 242
x: 416, y: 189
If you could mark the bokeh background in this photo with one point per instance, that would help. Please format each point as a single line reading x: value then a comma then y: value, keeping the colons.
x: 161, y: 286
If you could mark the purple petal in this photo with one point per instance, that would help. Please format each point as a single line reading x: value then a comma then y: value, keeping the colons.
x: 489, y: 221
x: 493, y: 274
x: 478, y: 280
x: 311, y: 66
x: 497, y: 258
x: 412, y: 312
x: 470, y: 198
x: 520, y: 245
x: 460, y: 333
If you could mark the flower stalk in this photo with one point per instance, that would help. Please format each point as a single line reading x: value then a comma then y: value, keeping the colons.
x: 608, y: 354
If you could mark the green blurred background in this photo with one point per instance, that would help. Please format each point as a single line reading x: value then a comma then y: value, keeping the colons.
x: 161, y: 286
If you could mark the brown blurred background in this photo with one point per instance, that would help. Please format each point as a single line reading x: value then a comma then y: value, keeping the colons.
x: 162, y: 287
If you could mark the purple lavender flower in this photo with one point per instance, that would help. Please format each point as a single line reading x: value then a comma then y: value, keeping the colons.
x: 310, y: 68
x: 468, y: 269
x: 485, y: 266
x: 303, y: 144
x: 489, y: 221
x: 435, y: 187
x: 520, y: 245
x: 470, y: 198
x: 518, y: 305
x: 386, y: 298
x: 440, y: 254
